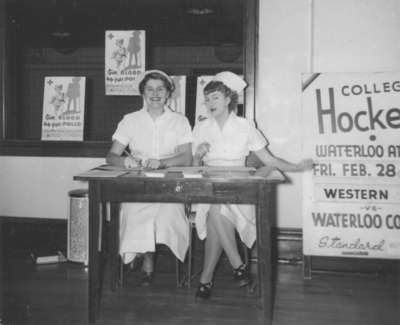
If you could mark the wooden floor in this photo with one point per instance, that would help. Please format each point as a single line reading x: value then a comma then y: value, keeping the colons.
x: 57, y: 294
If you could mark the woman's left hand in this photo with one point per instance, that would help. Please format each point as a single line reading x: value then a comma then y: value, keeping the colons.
x: 305, y: 164
x: 152, y: 163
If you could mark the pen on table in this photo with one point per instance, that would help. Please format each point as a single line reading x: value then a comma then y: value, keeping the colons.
x: 137, y: 160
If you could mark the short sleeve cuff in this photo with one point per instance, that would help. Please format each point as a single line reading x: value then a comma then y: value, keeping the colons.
x: 259, y: 145
x: 186, y: 139
x: 121, y: 139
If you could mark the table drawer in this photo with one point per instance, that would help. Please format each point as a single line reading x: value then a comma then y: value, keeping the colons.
x: 184, y: 188
x: 235, y: 192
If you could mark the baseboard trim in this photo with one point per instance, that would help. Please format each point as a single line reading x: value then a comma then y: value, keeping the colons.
x: 288, y: 241
x: 33, y: 220
x: 23, y: 235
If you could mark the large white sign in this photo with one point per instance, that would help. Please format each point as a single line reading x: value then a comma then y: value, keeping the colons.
x: 63, y: 108
x: 125, y: 54
x: 352, y: 197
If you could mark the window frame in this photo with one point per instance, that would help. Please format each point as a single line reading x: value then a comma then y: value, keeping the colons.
x: 99, y: 148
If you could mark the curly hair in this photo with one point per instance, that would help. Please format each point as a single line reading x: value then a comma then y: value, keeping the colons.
x: 220, y: 86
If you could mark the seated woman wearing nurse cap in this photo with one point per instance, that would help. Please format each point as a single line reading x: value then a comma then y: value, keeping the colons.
x: 156, y: 137
x: 225, y: 139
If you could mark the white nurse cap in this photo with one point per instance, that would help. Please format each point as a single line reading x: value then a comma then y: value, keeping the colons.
x: 231, y: 80
x: 160, y: 73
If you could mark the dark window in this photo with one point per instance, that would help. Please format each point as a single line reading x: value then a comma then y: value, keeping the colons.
x: 66, y: 38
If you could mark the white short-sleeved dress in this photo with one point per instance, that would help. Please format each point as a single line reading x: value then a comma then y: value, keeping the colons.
x: 229, y: 147
x: 145, y: 224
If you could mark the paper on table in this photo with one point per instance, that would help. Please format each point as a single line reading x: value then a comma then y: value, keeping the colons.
x: 185, y: 172
x: 200, y: 169
x: 214, y: 171
x: 226, y: 174
x: 103, y: 173
x: 154, y: 173
x: 112, y: 167
x: 192, y: 175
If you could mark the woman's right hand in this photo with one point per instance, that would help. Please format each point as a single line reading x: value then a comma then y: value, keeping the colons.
x: 201, y: 150
x: 130, y: 162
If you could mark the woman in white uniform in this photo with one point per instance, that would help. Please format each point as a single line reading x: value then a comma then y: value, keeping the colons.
x: 157, y: 137
x: 225, y: 139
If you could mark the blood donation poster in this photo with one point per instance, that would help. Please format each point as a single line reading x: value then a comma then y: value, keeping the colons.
x: 63, y: 108
x: 351, y: 198
x: 125, y: 53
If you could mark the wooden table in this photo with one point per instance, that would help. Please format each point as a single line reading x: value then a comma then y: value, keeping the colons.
x: 105, y: 186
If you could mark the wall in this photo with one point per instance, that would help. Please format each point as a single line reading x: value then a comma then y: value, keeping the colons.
x: 295, y: 36
x: 314, y: 36
x: 38, y: 186
x: 283, y: 49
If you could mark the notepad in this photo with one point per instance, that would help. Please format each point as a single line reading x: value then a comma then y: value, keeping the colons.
x: 154, y: 173
x: 192, y: 175
x: 185, y: 172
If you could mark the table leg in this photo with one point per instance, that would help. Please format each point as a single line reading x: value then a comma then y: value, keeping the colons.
x: 307, y: 267
x: 264, y: 254
x: 94, y: 247
x: 2, y: 320
x: 114, y: 244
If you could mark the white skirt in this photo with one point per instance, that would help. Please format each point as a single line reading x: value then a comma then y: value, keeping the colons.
x: 143, y: 225
x: 241, y: 215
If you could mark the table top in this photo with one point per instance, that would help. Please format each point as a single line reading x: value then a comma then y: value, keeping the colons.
x: 184, y: 174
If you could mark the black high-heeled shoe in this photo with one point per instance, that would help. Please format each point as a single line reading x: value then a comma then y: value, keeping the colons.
x: 204, y: 290
x: 242, y: 275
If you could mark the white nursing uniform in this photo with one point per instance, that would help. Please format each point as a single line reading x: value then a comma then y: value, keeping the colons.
x: 145, y: 224
x: 229, y: 147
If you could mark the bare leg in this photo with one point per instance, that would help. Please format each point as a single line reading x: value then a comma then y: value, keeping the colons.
x: 226, y: 233
x: 212, y: 253
x: 148, y: 262
x: 148, y: 268
x: 220, y: 236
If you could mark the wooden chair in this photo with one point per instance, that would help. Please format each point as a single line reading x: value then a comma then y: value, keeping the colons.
x: 116, y: 265
x: 187, y: 279
x: 251, y: 161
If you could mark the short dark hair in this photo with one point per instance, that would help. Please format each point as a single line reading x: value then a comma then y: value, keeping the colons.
x: 220, y: 86
x: 168, y: 84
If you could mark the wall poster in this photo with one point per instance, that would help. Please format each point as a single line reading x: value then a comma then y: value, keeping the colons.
x: 352, y: 197
x: 177, y: 102
x: 125, y: 61
x: 63, y: 108
x: 201, y: 110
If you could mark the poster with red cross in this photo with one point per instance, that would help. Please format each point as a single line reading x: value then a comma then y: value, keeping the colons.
x: 63, y: 108
x: 125, y: 61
